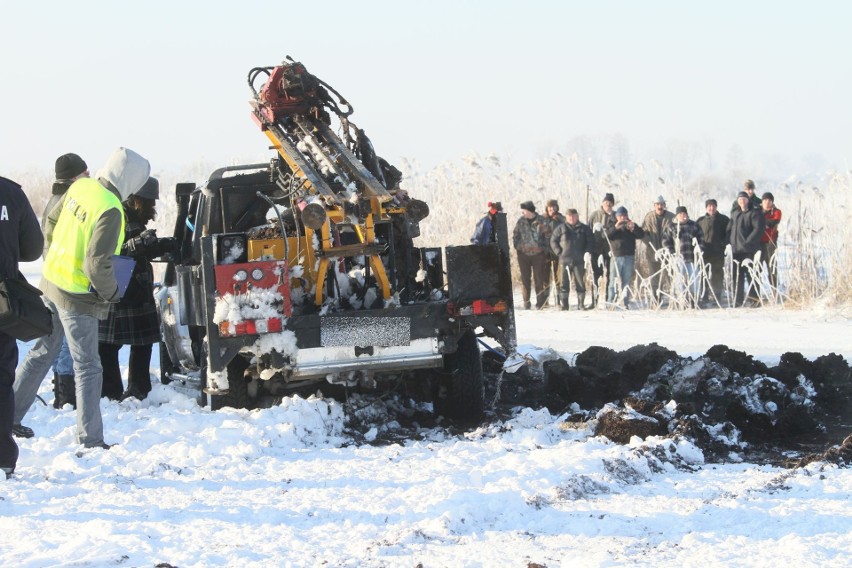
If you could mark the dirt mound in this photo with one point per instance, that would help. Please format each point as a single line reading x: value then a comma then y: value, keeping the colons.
x: 726, y: 402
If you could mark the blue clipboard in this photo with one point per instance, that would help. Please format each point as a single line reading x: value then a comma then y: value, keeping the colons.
x: 122, y: 267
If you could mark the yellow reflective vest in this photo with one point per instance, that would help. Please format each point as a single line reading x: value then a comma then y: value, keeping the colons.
x: 84, y: 204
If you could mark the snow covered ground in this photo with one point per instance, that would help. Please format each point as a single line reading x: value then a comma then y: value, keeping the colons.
x: 287, y: 486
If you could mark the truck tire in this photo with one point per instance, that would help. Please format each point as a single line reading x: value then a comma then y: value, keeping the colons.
x: 458, y: 391
x: 238, y: 395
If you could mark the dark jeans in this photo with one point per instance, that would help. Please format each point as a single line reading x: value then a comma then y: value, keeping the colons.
x: 716, y: 265
x: 575, y: 273
x: 8, y: 362
x: 742, y: 278
x: 768, y: 255
x: 138, y: 374
x: 600, y: 267
x: 534, y: 266
x: 555, y: 276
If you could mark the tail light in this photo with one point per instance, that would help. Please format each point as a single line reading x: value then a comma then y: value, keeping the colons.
x: 478, y: 308
x: 251, y: 327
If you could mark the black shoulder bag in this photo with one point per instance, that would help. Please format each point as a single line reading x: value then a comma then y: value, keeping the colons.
x: 23, y: 314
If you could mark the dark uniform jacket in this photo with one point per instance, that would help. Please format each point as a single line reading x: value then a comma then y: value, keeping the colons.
x: 715, y: 231
x: 744, y: 231
x: 20, y: 235
x: 571, y: 242
x: 624, y: 241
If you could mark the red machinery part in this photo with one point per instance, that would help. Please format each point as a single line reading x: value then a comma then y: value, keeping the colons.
x: 239, y: 279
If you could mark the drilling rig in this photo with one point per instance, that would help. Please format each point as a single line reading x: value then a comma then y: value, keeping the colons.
x: 305, y: 268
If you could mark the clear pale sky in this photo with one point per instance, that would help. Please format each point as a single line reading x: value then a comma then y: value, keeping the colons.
x: 431, y: 81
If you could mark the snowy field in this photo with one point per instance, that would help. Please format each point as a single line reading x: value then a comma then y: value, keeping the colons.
x: 287, y: 486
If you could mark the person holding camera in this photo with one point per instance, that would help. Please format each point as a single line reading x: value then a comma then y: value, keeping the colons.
x: 622, y: 238
x: 133, y: 320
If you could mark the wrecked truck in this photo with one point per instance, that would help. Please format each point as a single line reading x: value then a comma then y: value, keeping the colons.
x: 304, y: 269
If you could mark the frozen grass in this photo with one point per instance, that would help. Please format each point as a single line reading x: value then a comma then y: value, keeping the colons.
x: 815, y: 242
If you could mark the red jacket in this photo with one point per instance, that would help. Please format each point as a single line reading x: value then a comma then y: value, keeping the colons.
x: 773, y: 218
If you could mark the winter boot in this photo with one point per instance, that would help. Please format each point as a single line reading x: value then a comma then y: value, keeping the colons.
x: 64, y: 391
x: 581, y: 302
x: 563, y: 300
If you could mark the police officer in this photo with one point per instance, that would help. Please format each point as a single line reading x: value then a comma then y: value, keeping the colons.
x: 78, y: 280
x: 20, y: 239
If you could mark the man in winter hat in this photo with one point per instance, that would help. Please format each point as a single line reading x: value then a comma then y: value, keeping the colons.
x: 531, y: 239
x: 554, y: 219
x: 680, y: 239
x: 79, y: 284
x: 656, y: 222
x: 600, y: 257
x: 68, y: 168
x: 714, y: 226
x: 744, y: 232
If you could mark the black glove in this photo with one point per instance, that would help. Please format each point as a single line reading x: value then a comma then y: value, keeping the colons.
x: 140, y: 246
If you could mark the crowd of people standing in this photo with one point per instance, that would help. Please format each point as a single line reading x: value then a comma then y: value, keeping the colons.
x: 684, y: 259
x: 87, y: 223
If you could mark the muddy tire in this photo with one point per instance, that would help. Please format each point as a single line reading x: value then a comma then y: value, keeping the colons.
x: 238, y: 395
x: 457, y: 391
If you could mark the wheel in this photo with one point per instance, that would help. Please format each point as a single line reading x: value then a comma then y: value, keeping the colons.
x: 238, y: 395
x: 457, y: 392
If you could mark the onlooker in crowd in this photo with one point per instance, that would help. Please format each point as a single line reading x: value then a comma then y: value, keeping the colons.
x: 598, y: 221
x: 622, y: 238
x: 714, y: 225
x: 78, y: 280
x: 748, y: 188
x: 655, y: 224
x: 531, y: 239
x: 744, y: 232
x: 68, y: 168
x: 20, y: 240
x: 769, y: 240
x: 678, y: 239
x: 133, y: 320
x: 572, y: 243
x: 486, y: 228
x: 554, y: 219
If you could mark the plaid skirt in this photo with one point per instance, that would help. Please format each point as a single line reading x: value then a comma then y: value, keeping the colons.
x: 133, y: 320
x: 130, y: 325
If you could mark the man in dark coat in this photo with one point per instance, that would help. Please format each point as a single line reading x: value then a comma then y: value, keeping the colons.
x: 714, y: 225
x: 531, y: 239
x: 744, y: 231
x: 572, y: 243
x: 133, y: 320
x: 598, y: 221
x: 622, y: 238
x: 554, y: 219
x: 20, y: 240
